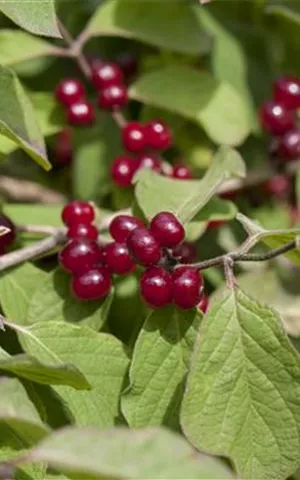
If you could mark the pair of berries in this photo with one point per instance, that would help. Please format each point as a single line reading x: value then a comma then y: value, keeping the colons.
x: 71, y: 94
x: 8, y: 239
x: 278, y: 117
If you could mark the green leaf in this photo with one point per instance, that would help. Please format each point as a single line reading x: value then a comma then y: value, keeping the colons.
x: 38, y: 17
x: 100, y: 357
x: 122, y: 453
x: 159, y: 364
x: 275, y: 293
x: 243, y: 391
x: 18, y: 46
x: 30, y: 368
x: 94, y: 150
x: 17, y: 412
x: 271, y: 238
x: 39, y: 215
x: 52, y: 301
x: 215, y: 105
x: 17, y: 118
x: 229, y: 60
x: 285, y: 12
x: 185, y: 199
x: 139, y: 20
x: 16, y: 289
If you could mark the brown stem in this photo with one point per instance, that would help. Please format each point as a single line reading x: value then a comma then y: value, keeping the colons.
x: 40, y: 229
x: 18, y: 190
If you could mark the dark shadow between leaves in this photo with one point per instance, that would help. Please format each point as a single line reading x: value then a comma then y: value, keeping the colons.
x: 171, y: 323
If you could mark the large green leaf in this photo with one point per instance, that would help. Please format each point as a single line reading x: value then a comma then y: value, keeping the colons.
x: 140, y: 21
x: 100, y: 357
x: 159, y: 364
x: 271, y: 238
x: 185, y: 199
x: 21, y: 213
x: 53, y: 301
x: 287, y: 12
x: 123, y: 453
x: 229, y: 60
x: 17, y: 46
x: 243, y: 390
x: 37, y: 17
x: 17, y: 412
x: 215, y: 105
x: 18, y: 121
x: 27, y: 366
x: 16, y: 289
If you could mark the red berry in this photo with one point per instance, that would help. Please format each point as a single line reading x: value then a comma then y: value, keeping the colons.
x: 214, y: 224
x: 9, y: 238
x: 106, y: 74
x: 182, y: 172
x: 92, y: 284
x: 275, y: 118
x: 187, y: 284
x: 69, y: 91
x: 149, y: 160
x: 78, y: 254
x: 133, y: 135
x: 63, y: 147
x: 80, y: 114
x: 279, y: 186
x: 158, y: 134
x: 287, y: 92
x: 113, y: 97
x: 122, y: 226
x: 289, y: 146
x: 143, y: 246
x: 123, y: 170
x: 156, y: 287
x: 128, y: 63
x: 83, y: 230
x: 117, y: 258
x: 185, y: 252
x: 203, y: 304
x: 78, y: 212
x: 167, y: 230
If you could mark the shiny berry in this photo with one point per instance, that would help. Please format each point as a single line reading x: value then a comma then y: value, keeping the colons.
x: 69, y: 91
x: 182, y: 172
x: 203, y: 304
x: 158, y: 134
x: 78, y: 254
x: 123, y: 170
x: 80, y: 114
x: 143, y: 246
x: 185, y: 252
x: 91, y: 284
x: 133, y: 136
x: 167, y: 229
x: 121, y: 227
x: 128, y: 63
x: 156, y: 287
x: 279, y: 186
x: 117, y: 258
x: 289, y: 146
x: 83, y: 230
x: 215, y: 224
x: 78, y: 212
x: 106, y: 74
x: 149, y: 160
x: 275, y: 118
x: 9, y: 238
x: 63, y: 148
x: 187, y: 285
x: 113, y: 97
x: 287, y: 92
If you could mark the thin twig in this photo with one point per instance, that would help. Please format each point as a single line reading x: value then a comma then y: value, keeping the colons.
x: 39, y: 229
x: 25, y: 191
x: 28, y: 253
x: 245, y: 257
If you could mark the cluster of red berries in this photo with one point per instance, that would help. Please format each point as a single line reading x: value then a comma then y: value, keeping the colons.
x: 107, y: 78
x: 141, y: 141
x: 278, y: 117
x: 9, y: 238
x: 92, y: 265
